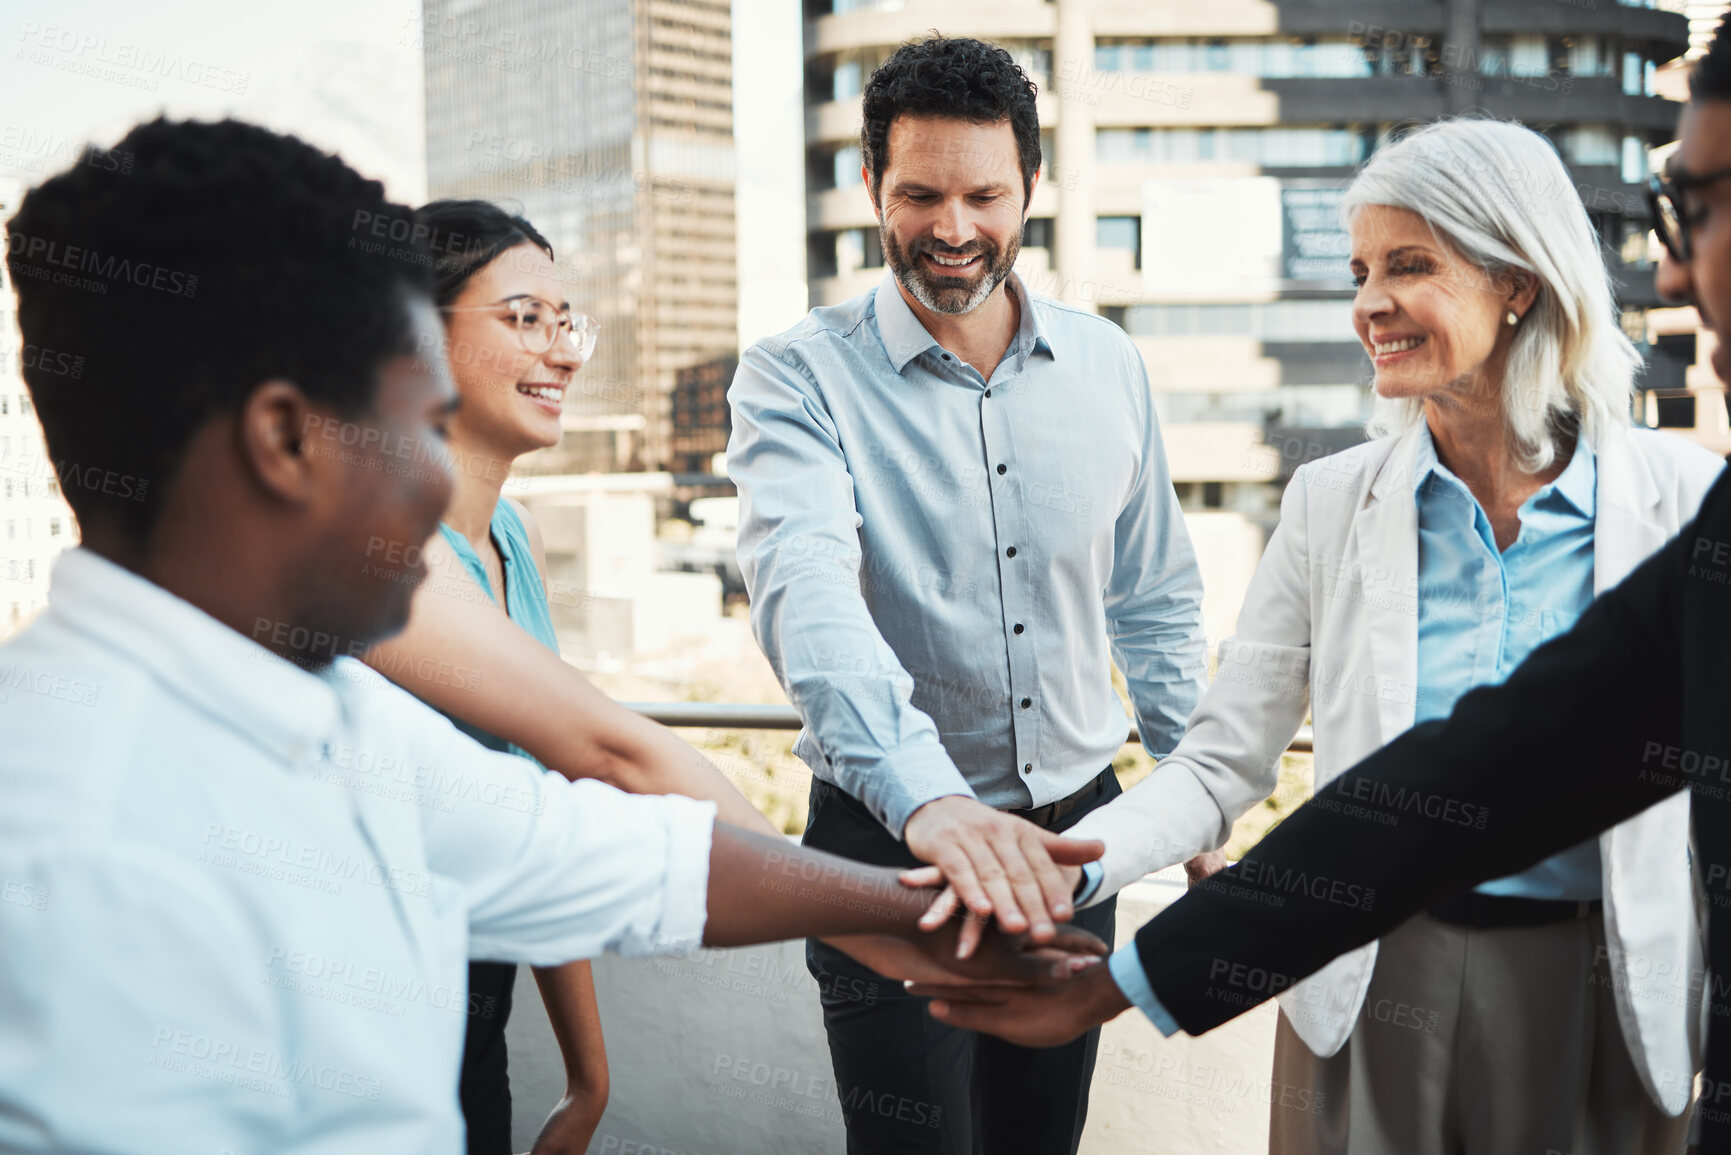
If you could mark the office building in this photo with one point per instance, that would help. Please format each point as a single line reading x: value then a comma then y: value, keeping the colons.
x: 35, y: 521
x: 610, y: 124
x: 1195, y: 156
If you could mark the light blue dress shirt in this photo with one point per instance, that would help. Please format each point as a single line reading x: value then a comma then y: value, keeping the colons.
x: 942, y: 568
x: 237, y: 899
x: 1481, y: 611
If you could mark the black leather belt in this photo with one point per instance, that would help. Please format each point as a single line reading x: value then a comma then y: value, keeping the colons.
x: 1501, y: 910
x: 1052, y: 811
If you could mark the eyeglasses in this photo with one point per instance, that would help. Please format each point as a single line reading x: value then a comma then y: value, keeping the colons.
x: 538, y: 324
x: 1666, y: 199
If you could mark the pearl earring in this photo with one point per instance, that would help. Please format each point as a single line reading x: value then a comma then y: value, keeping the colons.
x: 1513, y: 318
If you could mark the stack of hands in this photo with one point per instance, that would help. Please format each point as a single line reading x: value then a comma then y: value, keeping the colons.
x: 997, y: 955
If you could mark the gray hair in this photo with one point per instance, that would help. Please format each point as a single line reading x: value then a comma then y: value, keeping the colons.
x: 1498, y: 194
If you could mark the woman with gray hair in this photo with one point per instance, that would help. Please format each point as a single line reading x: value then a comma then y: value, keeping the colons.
x: 1559, y: 1009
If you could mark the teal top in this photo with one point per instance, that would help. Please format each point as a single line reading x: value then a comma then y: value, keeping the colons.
x: 525, y: 595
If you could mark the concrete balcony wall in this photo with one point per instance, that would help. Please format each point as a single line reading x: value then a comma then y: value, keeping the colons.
x: 1215, y: 18
x: 1180, y: 99
x: 874, y: 27
x: 1219, y: 451
x: 1207, y: 364
x: 723, y: 1053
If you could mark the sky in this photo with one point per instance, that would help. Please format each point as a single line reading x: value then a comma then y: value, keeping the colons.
x: 347, y: 75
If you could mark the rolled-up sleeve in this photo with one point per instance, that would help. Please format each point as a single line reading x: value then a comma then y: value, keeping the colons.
x: 799, y: 552
x: 554, y: 870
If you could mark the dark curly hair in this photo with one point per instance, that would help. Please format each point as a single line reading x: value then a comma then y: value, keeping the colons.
x: 183, y: 268
x: 1710, y: 79
x: 961, y: 78
x: 468, y: 235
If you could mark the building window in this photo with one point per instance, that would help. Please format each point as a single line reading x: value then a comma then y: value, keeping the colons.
x: 1037, y: 233
x: 871, y: 249
x: 1280, y: 58
x: 820, y: 255
x: 1120, y: 233
x: 1635, y: 170
x: 1267, y: 147
x: 1590, y: 144
x: 1289, y: 320
x: 54, y: 527
x: 5, y: 402
x: 1213, y: 495
x: 845, y: 84
x: 847, y: 167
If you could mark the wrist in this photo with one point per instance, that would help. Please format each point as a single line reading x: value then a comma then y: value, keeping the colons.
x: 1101, y: 995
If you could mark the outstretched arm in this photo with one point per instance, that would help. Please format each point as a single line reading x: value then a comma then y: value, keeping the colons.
x: 763, y: 890
x: 1584, y: 735
x: 461, y: 654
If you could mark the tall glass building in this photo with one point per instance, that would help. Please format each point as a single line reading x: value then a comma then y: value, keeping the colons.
x: 610, y: 123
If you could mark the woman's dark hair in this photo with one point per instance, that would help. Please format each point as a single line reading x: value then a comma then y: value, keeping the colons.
x: 961, y: 78
x: 466, y: 236
x: 161, y: 281
x: 1710, y: 79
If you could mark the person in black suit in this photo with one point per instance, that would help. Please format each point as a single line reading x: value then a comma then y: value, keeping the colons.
x: 1631, y: 706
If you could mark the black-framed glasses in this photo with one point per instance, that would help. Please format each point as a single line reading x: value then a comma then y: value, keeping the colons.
x: 1667, y: 199
x: 538, y: 323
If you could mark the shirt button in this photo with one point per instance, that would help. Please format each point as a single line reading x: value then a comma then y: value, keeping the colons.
x: 1003, y: 469
x: 946, y: 356
x: 1011, y: 552
x: 1026, y: 702
x: 988, y: 393
x: 1027, y: 767
x: 1020, y: 627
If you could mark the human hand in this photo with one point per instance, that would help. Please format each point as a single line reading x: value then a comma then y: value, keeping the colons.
x: 916, y: 961
x: 1207, y: 863
x: 1044, y: 1016
x: 968, y: 939
x: 996, y: 863
x: 1001, y: 958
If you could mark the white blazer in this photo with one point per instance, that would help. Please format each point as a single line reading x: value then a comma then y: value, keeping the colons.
x: 1330, y: 624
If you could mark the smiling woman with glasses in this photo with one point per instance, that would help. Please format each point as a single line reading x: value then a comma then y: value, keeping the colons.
x: 480, y: 644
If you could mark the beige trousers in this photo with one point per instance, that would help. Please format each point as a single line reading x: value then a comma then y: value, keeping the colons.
x: 1475, y: 1042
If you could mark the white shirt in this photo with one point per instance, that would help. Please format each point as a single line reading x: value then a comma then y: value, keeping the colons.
x: 237, y: 900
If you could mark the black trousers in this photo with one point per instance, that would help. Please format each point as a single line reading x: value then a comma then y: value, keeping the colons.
x: 485, y: 1086
x: 908, y: 1083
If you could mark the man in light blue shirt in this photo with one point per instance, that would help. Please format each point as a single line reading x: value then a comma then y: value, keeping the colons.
x: 955, y: 515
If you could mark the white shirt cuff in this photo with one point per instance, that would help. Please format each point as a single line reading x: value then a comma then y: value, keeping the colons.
x: 685, y: 895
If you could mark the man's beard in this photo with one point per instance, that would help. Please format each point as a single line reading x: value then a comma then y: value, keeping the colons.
x: 941, y: 294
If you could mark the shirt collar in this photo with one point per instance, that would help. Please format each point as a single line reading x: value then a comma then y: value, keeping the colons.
x: 905, y: 338
x: 1575, y: 484
x: 242, y: 685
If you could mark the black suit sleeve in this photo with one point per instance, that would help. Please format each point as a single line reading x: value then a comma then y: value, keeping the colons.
x: 1576, y: 740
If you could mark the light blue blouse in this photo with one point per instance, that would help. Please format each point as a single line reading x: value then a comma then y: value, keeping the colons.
x: 1482, y: 611
x: 525, y: 595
